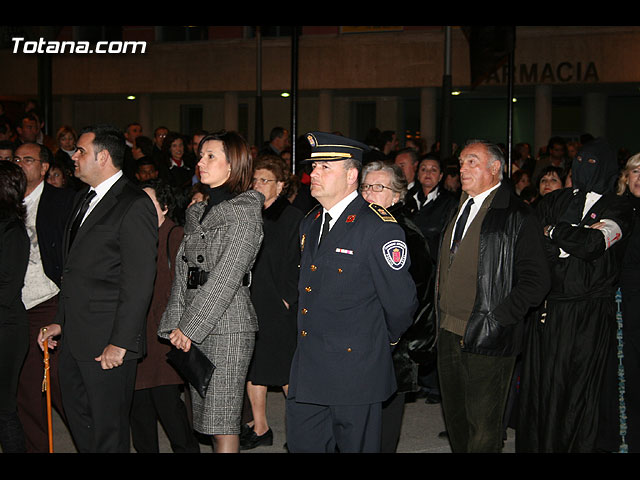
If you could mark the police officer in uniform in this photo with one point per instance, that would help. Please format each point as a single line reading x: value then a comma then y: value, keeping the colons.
x: 356, y: 298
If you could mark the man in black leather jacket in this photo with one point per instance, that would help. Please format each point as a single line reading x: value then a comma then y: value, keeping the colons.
x: 491, y: 272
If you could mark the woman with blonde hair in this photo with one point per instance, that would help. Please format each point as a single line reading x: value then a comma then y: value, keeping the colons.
x: 623, y: 366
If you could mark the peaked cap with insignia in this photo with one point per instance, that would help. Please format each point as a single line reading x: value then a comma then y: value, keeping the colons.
x: 327, y: 147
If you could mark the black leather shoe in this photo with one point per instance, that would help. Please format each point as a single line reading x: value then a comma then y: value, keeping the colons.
x: 432, y: 399
x: 245, y: 432
x: 253, y: 440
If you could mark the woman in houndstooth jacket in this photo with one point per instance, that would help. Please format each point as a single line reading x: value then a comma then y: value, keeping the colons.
x: 213, y: 309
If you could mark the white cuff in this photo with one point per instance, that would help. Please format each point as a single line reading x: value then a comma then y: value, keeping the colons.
x: 611, y: 231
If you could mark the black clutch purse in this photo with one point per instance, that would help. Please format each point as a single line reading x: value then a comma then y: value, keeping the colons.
x: 194, y: 366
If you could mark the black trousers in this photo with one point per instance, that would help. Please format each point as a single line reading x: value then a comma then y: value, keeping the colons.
x: 165, y: 404
x: 14, y: 342
x: 474, y: 392
x: 333, y: 428
x: 97, y: 403
x: 392, y: 413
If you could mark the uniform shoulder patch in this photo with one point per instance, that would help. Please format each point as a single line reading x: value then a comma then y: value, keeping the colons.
x: 395, y: 253
x: 382, y: 213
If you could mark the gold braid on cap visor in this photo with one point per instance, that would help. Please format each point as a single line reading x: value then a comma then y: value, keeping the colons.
x: 331, y: 155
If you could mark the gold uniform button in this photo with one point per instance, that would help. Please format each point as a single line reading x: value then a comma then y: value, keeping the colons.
x: 308, y: 289
x: 304, y: 311
x: 313, y: 268
x: 303, y: 333
x: 348, y: 349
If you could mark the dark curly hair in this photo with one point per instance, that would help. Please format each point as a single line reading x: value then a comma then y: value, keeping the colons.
x: 13, y: 185
x: 276, y: 165
x: 164, y: 195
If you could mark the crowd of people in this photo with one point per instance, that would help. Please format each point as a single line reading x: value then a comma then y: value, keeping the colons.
x: 508, y: 293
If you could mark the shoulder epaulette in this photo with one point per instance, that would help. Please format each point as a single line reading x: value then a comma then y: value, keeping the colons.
x: 312, y: 210
x: 382, y: 213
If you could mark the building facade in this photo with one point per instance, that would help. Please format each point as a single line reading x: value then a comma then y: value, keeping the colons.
x: 568, y: 80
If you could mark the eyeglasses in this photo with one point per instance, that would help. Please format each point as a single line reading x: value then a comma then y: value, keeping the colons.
x: 376, y: 187
x: 27, y: 160
x: 263, y: 181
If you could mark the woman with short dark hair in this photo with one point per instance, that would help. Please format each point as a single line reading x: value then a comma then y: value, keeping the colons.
x: 158, y: 387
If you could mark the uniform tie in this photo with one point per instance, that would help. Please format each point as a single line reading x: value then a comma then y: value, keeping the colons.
x: 81, y: 213
x: 460, y: 224
x: 325, y: 226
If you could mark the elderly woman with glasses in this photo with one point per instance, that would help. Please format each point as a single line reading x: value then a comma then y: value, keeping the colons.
x: 384, y: 184
x: 274, y: 293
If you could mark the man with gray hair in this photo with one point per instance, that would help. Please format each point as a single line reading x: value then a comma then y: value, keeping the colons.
x: 492, y: 271
x: 48, y: 209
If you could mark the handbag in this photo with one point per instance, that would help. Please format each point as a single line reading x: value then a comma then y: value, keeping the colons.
x: 193, y: 366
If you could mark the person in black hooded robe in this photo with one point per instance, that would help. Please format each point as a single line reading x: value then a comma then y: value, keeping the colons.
x: 567, y: 342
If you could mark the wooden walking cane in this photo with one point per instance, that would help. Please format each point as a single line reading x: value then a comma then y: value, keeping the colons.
x: 46, y: 387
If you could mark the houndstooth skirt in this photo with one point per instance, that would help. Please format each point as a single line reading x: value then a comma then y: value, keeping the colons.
x: 220, y: 411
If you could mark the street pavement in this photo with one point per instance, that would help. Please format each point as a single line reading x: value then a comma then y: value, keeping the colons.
x: 421, y: 425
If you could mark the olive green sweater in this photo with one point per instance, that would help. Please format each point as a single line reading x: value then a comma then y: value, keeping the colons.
x: 459, y: 275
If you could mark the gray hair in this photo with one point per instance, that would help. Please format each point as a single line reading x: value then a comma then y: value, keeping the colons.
x: 398, y: 182
x: 494, y: 151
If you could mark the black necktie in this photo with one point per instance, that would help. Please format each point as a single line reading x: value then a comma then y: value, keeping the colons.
x: 81, y: 213
x: 325, y: 226
x: 462, y: 221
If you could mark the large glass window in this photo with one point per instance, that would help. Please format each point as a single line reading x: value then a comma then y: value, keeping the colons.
x: 363, y: 119
x: 97, y: 33
x: 182, y: 33
x: 271, y: 31
x: 190, y: 118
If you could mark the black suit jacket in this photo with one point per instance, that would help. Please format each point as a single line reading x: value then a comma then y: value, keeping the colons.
x: 108, y: 274
x: 54, y: 209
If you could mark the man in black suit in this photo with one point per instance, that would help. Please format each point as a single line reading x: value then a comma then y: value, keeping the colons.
x: 278, y: 141
x: 48, y: 209
x: 108, y: 276
x: 408, y: 159
x: 131, y: 132
x: 356, y: 298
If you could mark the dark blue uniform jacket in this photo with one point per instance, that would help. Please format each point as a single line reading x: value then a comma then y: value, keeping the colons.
x: 356, y: 298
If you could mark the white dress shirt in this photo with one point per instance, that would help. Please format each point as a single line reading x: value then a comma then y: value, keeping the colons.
x: 337, y: 210
x: 37, y: 287
x: 101, y: 190
x: 431, y: 196
x: 478, y: 200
